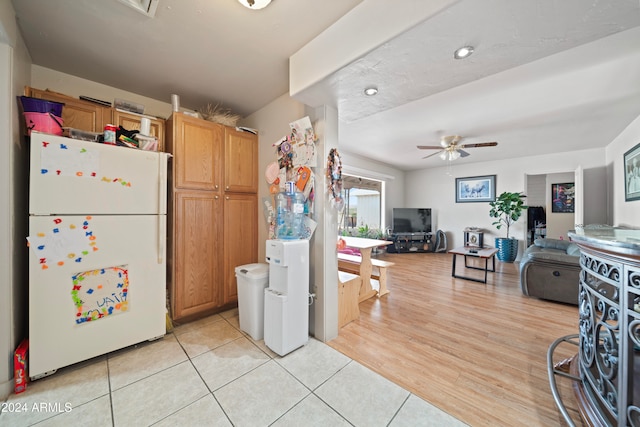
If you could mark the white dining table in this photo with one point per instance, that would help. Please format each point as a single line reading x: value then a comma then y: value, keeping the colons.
x: 365, y: 246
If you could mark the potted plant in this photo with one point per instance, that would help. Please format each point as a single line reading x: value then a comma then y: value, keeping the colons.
x: 507, y: 208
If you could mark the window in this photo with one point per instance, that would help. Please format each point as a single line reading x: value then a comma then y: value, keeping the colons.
x: 362, y: 213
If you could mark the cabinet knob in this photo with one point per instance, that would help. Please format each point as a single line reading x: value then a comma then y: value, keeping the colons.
x: 216, y: 186
x: 227, y: 187
x: 216, y: 197
x: 227, y: 197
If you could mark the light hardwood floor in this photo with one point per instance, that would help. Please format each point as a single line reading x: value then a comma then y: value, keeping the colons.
x: 476, y: 351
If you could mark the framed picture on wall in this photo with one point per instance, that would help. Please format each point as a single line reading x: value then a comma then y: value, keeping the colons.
x: 476, y: 189
x: 632, y: 174
x: 563, y: 197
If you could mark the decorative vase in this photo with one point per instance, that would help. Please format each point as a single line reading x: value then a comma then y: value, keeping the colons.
x: 507, y: 249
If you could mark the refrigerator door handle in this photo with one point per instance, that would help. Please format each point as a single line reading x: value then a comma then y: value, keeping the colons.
x: 162, y: 182
x: 162, y: 232
x: 162, y: 203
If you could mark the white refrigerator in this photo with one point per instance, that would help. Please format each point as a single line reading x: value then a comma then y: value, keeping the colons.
x: 97, y: 247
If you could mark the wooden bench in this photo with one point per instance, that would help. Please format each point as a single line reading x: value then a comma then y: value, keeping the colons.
x: 348, y: 297
x: 351, y: 264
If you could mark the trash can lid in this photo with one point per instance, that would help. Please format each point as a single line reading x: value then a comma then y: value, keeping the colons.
x: 253, y: 271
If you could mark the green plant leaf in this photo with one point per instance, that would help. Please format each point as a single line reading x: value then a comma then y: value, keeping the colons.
x: 507, y: 208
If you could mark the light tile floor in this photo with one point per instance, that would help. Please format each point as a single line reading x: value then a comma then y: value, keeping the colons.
x: 209, y: 373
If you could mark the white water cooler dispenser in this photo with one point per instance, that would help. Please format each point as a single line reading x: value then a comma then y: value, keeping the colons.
x: 286, y: 300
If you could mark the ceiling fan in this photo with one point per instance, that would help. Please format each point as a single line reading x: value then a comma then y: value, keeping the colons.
x: 451, y: 150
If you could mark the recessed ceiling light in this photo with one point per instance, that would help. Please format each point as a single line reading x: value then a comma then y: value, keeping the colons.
x: 370, y: 91
x: 255, y: 4
x: 463, y: 52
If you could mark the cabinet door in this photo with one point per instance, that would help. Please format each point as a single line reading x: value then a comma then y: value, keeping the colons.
x: 197, y: 150
x: 240, y: 238
x: 76, y: 113
x: 197, y: 272
x: 241, y: 161
x: 131, y: 121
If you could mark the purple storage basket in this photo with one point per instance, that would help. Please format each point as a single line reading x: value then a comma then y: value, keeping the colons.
x: 36, y: 105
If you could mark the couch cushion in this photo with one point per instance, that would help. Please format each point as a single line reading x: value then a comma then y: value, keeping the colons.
x: 551, y: 256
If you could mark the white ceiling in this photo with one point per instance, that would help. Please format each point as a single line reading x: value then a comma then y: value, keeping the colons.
x: 204, y: 50
x: 546, y: 75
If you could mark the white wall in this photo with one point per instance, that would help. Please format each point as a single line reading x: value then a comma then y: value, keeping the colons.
x: 394, y: 180
x: 14, y: 74
x: 624, y: 213
x: 46, y: 78
x: 6, y: 213
x: 435, y: 189
x: 272, y: 122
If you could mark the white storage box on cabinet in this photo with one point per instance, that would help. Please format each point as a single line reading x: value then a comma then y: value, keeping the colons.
x: 252, y: 281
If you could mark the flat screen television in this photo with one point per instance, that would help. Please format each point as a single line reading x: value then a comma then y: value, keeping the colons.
x: 411, y: 220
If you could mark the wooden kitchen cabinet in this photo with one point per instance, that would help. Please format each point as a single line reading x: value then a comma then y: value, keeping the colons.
x: 202, y: 264
x: 241, y: 161
x: 131, y: 121
x: 197, y: 147
x: 92, y: 117
x: 197, y: 217
x: 77, y: 114
x: 240, y: 238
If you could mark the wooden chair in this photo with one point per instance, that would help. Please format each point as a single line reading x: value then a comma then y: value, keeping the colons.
x: 351, y: 264
x: 348, y: 296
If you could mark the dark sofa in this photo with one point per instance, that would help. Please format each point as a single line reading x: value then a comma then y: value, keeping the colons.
x: 550, y: 269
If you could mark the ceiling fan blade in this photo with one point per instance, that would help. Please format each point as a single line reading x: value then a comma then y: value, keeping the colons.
x: 463, y: 153
x: 431, y: 155
x: 429, y: 147
x: 480, y: 144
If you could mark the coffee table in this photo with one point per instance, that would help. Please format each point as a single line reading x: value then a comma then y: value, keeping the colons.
x: 483, y: 253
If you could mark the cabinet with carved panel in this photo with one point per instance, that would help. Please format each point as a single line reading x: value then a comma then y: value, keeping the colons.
x: 606, y: 369
x: 213, y: 182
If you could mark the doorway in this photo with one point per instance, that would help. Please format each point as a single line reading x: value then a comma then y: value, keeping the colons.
x: 550, y: 221
x: 362, y: 215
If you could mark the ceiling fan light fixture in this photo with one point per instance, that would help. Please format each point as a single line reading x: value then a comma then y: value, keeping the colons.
x: 454, y: 155
x: 443, y: 155
x: 371, y: 91
x: 146, y: 7
x: 255, y: 4
x: 463, y: 52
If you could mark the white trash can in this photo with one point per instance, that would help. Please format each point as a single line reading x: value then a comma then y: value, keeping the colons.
x: 252, y: 281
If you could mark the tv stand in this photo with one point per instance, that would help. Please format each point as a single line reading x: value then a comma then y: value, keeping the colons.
x: 411, y: 242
